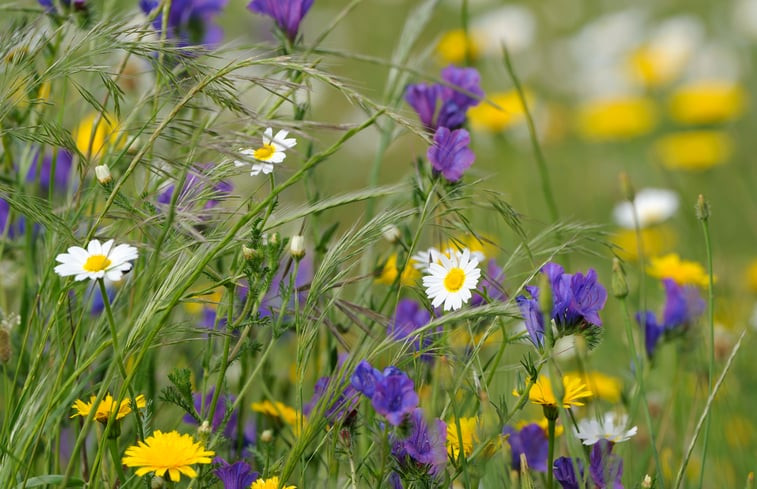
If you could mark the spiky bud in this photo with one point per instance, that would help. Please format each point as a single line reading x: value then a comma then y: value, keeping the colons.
x: 702, y: 208
x: 619, y: 282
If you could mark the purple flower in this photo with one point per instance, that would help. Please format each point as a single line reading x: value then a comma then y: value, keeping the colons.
x: 490, y: 286
x: 395, y: 481
x: 683, y: 305
x: 49, y: 5
x: 286, y: 13
x: 6, y: 224
x: 532, y: 315
x: 446, y: 105
x: 98, y: 304
x: 392, y: 392
x: 532, y: 442
x: 238, y: 475
x: 219, y: 413
x: 190, y: 22
x: 408, y: 318
x: 606, y: 469
x: 365, y: 378
x: 197, y: 186
x: 341, y: 408
x: 449, y: 154
x: 425, y: 444
x: 41, y: 171
x: 565, y: 473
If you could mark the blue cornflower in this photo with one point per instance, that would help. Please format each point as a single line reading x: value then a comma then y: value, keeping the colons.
x: 683, y: 305
x: 408, y: 318
x: 605, y: 469
x: 392, y: 392
x: 449, y: 154
x: 531, y: 441
x: 425, y: 444
x: 446, y: 105
x: 490, y: 286
x: 190, y: 22
x: 286, y: 13
x: 238, y: 475
x: 576, y: 298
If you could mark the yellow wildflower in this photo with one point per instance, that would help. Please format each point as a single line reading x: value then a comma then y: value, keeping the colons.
x: 751, y: 276
x: 167, y: 452
x: 96, y: 133
x: 508, y: 113
x: 574, y: 392
x: 617, y: 118
x: 654, y: 241
x: 410, y: 274
x: 694, y: 150
x: 708, y: 102
x: 543, y: 424
x: 279, y: 410
x: 456, y: 48
x: 683, y: 272
x: 106, y: 407
x: 654, y: 66
x: 468, y: 434
x: 270, y: 483
x: 601, y: 386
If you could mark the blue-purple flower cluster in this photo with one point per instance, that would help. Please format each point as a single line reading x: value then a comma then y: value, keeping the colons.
x: 605, y: 469
x: 392, y: 392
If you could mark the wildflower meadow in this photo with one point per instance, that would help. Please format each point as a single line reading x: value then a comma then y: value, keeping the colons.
x: 347, y: 244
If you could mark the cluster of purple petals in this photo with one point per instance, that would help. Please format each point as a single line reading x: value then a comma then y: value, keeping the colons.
x: 190, y: 22
x: 41, y: 170
x: 449, y: 154
x: 238, y: 475
x: 77, y: 5
x: 605, y: 469
x: 408, y: 318
x: 195, y: 185
x: 341, y: 408
x: 8, y: 228
x: 577, y: 300
x: 490, y: 286
x: 231, y: 429
x: 391, y: 392
x: 286, y: 13
x: 683, y: 305
x: 530, y: 441
x: 446, y: 105
x: 424, y: 446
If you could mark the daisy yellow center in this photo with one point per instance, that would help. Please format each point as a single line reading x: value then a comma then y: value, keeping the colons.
x: 264, y: 152
x: 454, y: 280
x: 97, y: 263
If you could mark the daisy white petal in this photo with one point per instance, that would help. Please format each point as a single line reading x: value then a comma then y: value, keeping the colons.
x: 611, y: 427
x: 450, y: 281
x: 97, y: 261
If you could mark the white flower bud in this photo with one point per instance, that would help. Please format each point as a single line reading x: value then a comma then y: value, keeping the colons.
x: 647, y: 482
x: 266, y: 436
x: 157, y: 483
x: 391, y: 233
x: 297, y: 246
x: 102, y: 172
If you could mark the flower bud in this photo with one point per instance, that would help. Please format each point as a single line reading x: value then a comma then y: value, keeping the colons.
x: 297, y: 247
x: 647, y: 482
x: 391, y: 233
x: 619, y: 282
x: 702, y: 208
x: 102, y: 172
x: 5, y: 345
x: 266, y: 436
x: 204, y: 431
x: 626, y: 188
x: 249, y: 253
x: 157, y: 483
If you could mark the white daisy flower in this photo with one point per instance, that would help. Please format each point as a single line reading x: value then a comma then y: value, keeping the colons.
x: 273, y: 151
x: 451, y: 280
x: 97, y: 261
x: 423, y: 259
x: 612, y: 428
x: 653, y: 206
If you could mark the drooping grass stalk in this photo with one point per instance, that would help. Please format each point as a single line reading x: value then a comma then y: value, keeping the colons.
x: 706, y: 412
x: 703, y: 214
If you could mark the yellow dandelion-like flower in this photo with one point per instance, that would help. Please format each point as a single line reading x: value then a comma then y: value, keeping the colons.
x: 543, y: 424
x: 455, y: 47
x: 708, y: 102
x: 468, y: 434
x: 270, y: 483
x: 683, y: 272
x: 106, y: 407
x: 575, y: 391
x: 655, y: 240
x: 279, y: 410
x: 694, y: 150
x: 617, y: 118
x: 410, y: 274
x: 508, y: 113
x: 96, y: 133
x: 167, y: 452
x: 601, y: 386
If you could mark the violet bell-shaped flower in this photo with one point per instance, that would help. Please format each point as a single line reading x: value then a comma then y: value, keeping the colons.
x: 286, y: 13
x: 446, y: 105
x: 449, y: 154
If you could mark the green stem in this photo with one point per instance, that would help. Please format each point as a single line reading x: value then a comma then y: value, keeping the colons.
x: 551, y: 452
x: 711, y: 320
x: 115, y: 455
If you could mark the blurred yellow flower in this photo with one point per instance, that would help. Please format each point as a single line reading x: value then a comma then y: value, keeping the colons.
x: 616, y: 118
x: 410, y: 274
x: 655, y: 240
x: 510, y: 111
x: 198, y: 303
x: 654, y: 66
x: 106, y: 407
x: 574, y: 392
x: 694, y: 150
x: 270, y: 483
x: 455, y: 47
x: 751, y: 276
x: 601, y: 386
x: 167, y: 452
x: 96, y: 133
x: 708, y: 102
x: 483, y: 246
x: 467, y: 433
x: 739, y: 431
x: 683, y: 272
x: 543, y: 424
x: 279, y: 410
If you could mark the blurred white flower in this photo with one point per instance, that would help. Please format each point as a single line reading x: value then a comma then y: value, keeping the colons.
x: 653, y: 206
x: 513, y: 25
x: 611, y: 427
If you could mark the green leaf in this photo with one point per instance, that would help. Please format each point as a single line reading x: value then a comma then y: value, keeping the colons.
x: 44, y: 480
